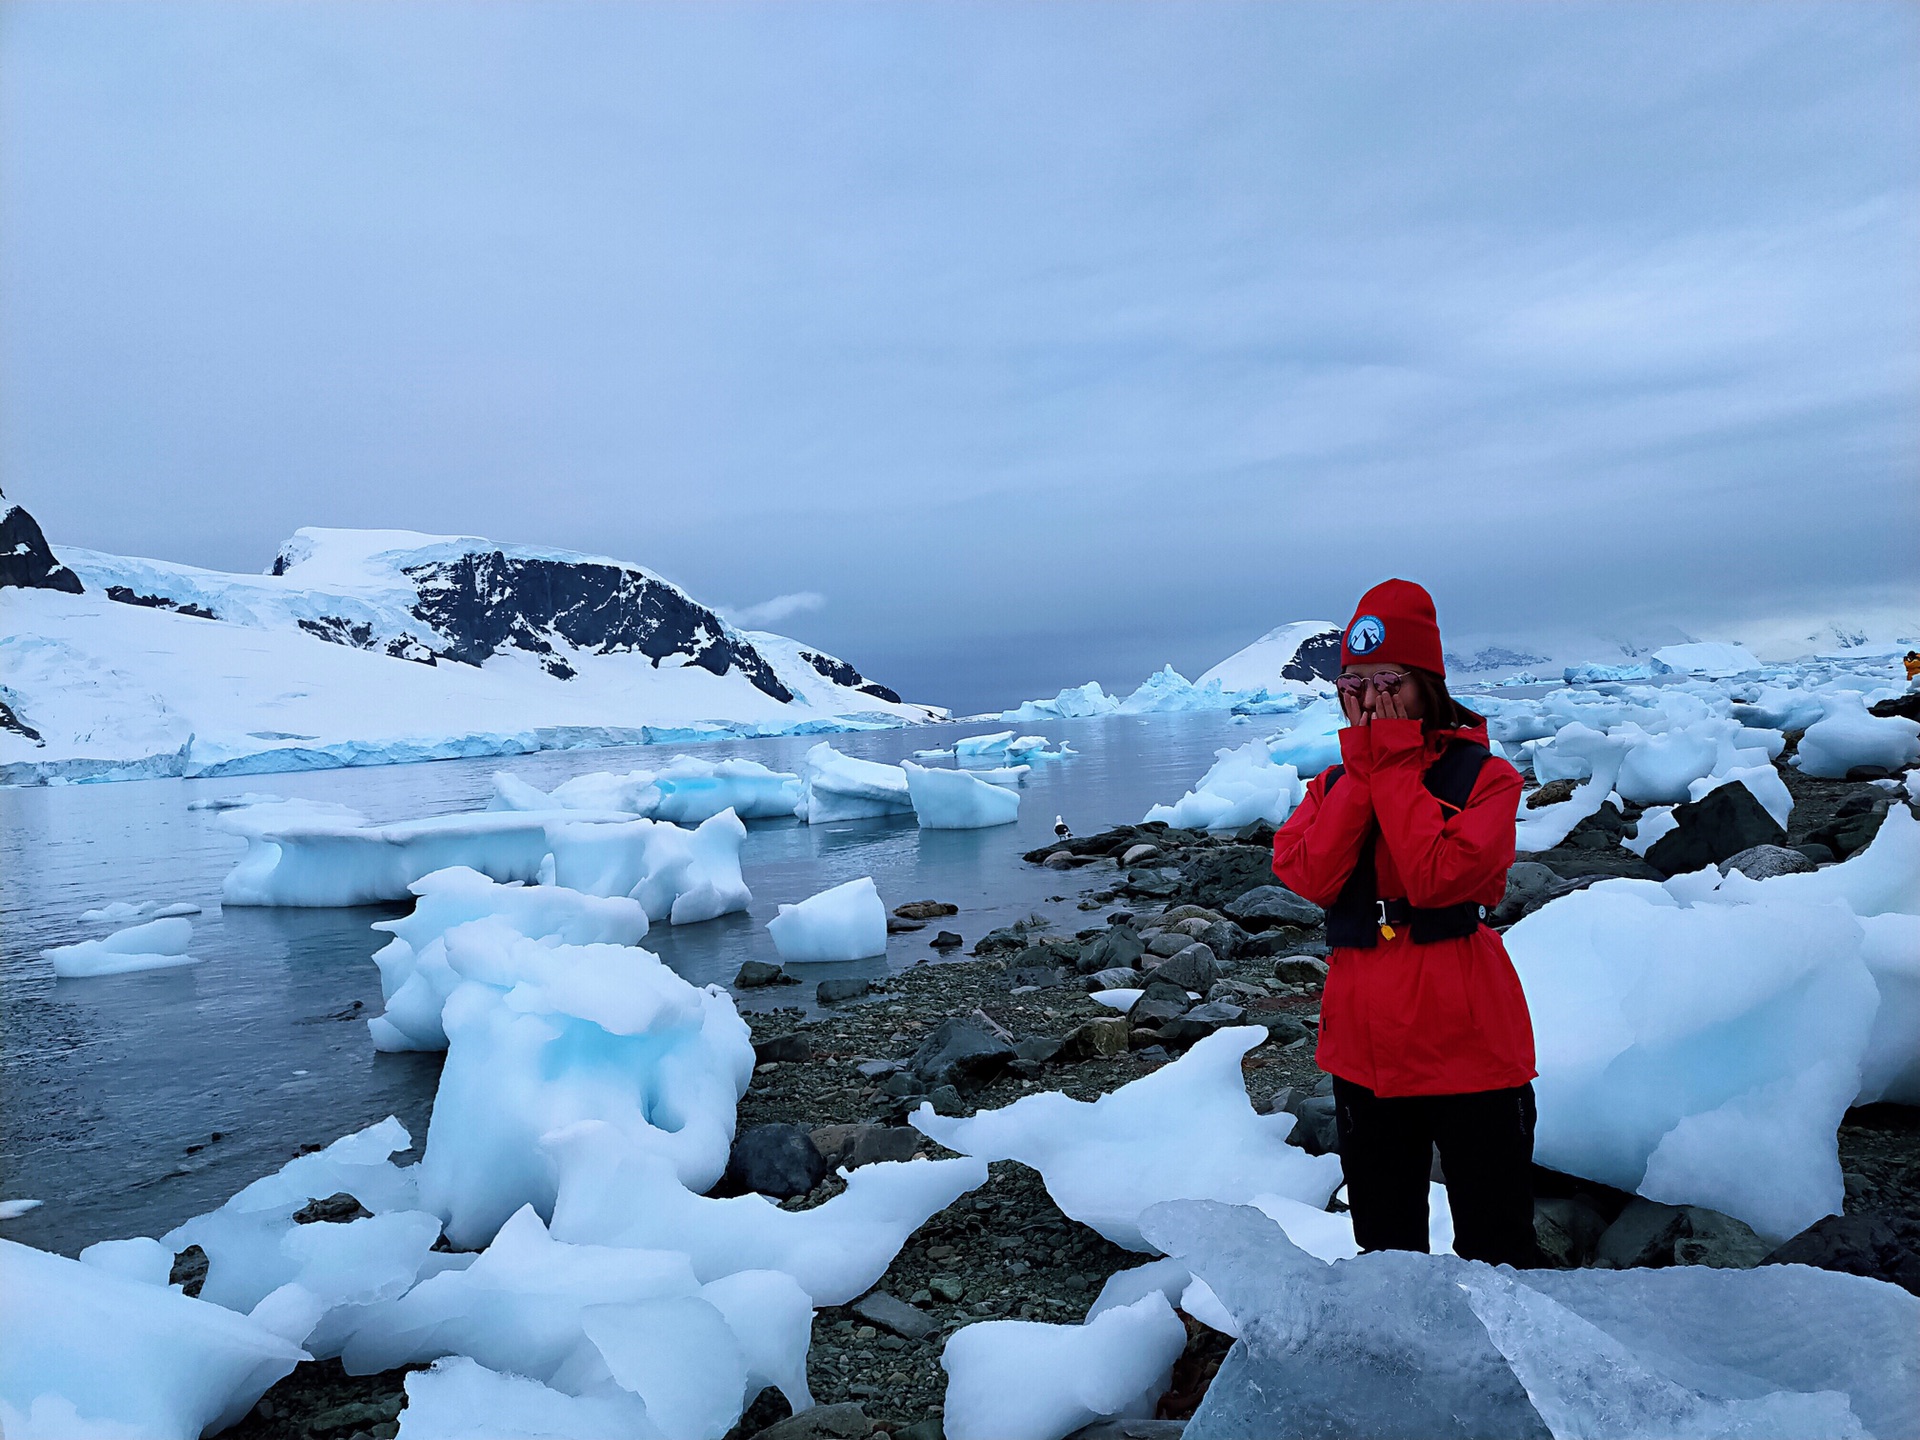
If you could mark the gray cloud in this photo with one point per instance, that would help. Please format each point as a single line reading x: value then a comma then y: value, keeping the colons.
x: 1053, y: 341
x: 773, y: 612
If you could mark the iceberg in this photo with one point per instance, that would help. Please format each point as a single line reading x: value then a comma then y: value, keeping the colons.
x: 541, y: 1036
x: 977, y: 748
x: 86, y: 1352
x: 838, y: 787
x: 156, y: 945
x: 1074, y: 704
x: 611, y: 1193
x: 121, y: 911
x: 1185, y: 1131
x: 1713, y: 659
x: 681, y: 876
x: 1020, y: 1380
x: 415, y: 978
x: 1242, y: 786
x: 960, y: 799
x: 1313, y: 741
x: 1782, y: 1350
x: 685, y: 790
x: 847, y: 922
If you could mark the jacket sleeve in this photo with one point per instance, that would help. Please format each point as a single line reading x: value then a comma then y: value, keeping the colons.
x: 1315, y: 851
x: 1441, y: 859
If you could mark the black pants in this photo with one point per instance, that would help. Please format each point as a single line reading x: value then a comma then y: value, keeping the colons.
x: 1486, y: 1149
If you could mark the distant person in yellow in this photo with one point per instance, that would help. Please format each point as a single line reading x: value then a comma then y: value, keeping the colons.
x: 1913, y: 663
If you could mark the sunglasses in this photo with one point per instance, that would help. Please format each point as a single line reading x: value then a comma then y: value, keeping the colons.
x: 1384, y: 683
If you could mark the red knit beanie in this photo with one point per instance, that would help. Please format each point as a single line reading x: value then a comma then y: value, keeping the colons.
x: 1394, y: 623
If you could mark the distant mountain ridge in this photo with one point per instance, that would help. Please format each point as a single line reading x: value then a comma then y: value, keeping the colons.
x: 526, y: 646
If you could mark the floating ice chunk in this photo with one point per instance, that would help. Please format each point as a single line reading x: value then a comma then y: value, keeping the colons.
x: 1780, y: 1350
x: 86, y: 1352
x: 1242, y: 786
x: 121, y: 911
x: 1598, y: 674
x: 838, y: 787
x: 685, y: 876
x: 247, y: 1258
x: 1312, y: 743
x: 144, y: 1259
x: 1848, y: 736
x: 14, y: 1209
x: 1169, y: 692
x: 1020, y: 1380
x: 974, y: 748
x: 959, y: 800
x: 306, y: 855
x: 1076, y: 703
x: 611, y: 1193
x: 544, y: 1035
x: 847, y: 922
x: 1722, y: 1040
x: 1187, y: 1130
x: 512, y: 793
x: 414, y: 975
x: 460, y: 1400
x: 156, y: 945
x: 1010, y: 776
x: 1033, y: 747
x: 685, y: 790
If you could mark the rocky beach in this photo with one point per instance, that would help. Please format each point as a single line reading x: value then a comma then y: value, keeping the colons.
x: 1196, y: 921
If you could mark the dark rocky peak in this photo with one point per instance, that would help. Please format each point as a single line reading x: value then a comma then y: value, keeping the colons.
x: 1316, y: 658
x: 841, y: 673
x: 26, y: 560
x: 485, y: 601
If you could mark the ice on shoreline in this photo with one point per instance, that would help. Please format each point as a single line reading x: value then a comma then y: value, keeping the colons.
x: 846, y: 922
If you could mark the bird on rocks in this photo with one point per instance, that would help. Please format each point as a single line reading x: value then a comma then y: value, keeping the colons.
x: 1060, y: 828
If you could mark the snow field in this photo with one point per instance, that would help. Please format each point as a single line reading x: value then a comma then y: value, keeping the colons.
x: 959, y: 799
x: 847, y: 922
x: 156, y: 945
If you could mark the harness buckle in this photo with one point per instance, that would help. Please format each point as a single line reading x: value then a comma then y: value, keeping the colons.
x: 1380, y: 906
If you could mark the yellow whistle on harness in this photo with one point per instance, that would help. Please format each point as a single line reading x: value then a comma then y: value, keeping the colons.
x: 1386, y: 932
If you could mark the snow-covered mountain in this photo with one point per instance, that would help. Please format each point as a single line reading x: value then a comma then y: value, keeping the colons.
x: 1304, y: 651
x: 365, y: 646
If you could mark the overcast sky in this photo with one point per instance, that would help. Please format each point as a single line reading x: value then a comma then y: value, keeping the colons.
x: 994, y: 348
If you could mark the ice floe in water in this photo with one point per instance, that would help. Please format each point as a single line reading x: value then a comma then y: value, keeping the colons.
x: 685, y: 790
x: 960, y: 799
x: 156, y: 945
x: 839, y: 787
x: 1242, y: 786
x: 847, y: 922
x: 121, y: 911
x: 1205, y: 1138
x: 681, y: 876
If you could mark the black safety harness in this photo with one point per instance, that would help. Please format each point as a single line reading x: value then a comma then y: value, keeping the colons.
x: 1359, y: 918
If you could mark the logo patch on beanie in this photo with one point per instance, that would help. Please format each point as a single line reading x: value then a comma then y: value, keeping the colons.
x: 1366, y: 635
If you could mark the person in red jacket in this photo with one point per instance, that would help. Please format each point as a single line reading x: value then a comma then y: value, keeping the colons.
x: 1423, y: 1026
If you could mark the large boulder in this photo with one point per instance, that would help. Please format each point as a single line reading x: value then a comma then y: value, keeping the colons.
x: 1528, y: 885
x: 775, y: 1160
x: 1119, y: 949
x: 1267, y: 906
x: 961, y: 1053
x: 1194, y: 968
x: 1214, y: 877
x: 1881, y: 1247
x: 1716, y: 827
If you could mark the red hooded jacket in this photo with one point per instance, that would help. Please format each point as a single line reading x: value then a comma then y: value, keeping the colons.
x: 1447, y: 1018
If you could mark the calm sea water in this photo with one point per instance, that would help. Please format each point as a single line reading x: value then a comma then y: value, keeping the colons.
x: 116, y: 1088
